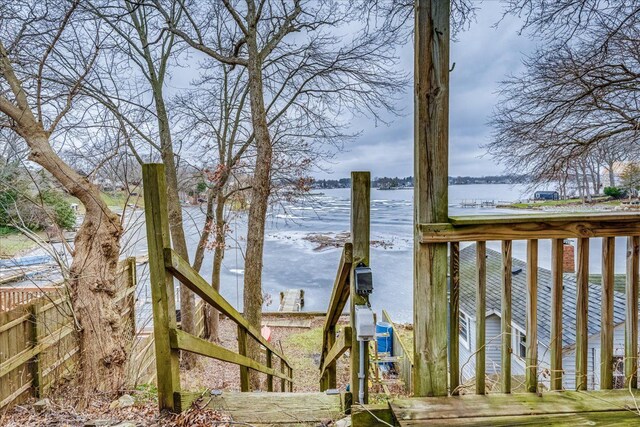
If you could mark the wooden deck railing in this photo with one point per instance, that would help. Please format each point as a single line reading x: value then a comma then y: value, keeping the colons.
x: 164, y: 266
x: 532, y: 228
x: 332, y: 348
x: 355, y: 252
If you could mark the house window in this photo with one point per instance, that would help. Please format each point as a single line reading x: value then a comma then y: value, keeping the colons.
x: 520, y: 346
x: 464, y: 329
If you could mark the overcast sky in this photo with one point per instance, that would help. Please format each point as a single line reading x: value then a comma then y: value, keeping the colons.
x: 483, y: 55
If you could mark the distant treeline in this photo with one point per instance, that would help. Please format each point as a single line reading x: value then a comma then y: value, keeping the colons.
x: 389, y: 183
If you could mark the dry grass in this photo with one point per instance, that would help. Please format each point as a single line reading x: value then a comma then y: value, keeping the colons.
x: 15, y: 244
x: 301, y: 346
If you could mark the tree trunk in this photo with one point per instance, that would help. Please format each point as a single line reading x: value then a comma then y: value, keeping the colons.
x: 612, y: 175
x: 261, y: 187
x: 104, y: 347
x: 212, y: 315
x: 178, y: 239
x: 198, y: 258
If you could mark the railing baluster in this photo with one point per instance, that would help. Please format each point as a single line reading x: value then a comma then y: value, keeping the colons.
x: 454, y: 319
x: 606, y: 336
x: 582, y: 314
x: 269, y: 365
x: 282, y: 382
x: 505, y: 364
x: 242, y: 350
x: 531, y: 373
x: 481, y: 312
x: 556, y: 313
x: 631, y: 315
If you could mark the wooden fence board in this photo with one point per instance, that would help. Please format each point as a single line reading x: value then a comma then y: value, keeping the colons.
x: 38, y: 346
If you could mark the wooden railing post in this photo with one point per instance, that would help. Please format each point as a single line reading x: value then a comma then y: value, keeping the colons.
x: 36, y: 367
x: 269, y: 365
x: 582, y: 314
x: 360, y: 218
x: 330, y: 376
x: 242, y: 350
x: 431, y: 139
x: 505, y: 359
x: 132, y: 280
x: 531, y: 373
x: 282, y: 382
x: 631, y: 313
x: 454, y: 318
x: 606, y: 319
x: 162, y: 287
x: 481, y: 316
x: 556, y: 313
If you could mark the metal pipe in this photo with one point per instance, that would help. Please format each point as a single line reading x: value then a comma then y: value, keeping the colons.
x: 361, y: 373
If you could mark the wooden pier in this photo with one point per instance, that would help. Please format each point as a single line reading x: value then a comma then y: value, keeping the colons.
x: 291, y: 300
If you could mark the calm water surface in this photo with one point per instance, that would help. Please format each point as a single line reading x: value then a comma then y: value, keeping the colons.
x: 292, y: 262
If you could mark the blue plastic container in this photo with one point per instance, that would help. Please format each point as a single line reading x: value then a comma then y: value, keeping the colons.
x: 384, y: 336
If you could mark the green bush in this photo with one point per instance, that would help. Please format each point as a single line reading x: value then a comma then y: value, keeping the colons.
x: 64, y: 214
x: 7, y: 202
x: 615, y: 192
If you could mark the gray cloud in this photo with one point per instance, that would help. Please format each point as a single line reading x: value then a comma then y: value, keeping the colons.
x: 484, y: 55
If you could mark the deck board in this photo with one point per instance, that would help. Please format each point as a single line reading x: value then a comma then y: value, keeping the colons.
x: 556, y: 408
x: 278, y: 409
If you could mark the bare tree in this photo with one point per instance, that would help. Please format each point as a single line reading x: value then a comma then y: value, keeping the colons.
x: 578, y: 95
x: 46, y: 54
x: 135, y: 37
x: 215, y: 115
x: 292, y: 60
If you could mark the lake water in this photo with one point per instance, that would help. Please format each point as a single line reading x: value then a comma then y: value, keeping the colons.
x: 292, y: 262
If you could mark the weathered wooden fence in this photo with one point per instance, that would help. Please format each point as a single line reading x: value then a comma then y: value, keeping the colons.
x: 12, y: 297
x: 38, y: 343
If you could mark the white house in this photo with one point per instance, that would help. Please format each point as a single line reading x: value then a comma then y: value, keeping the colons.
x: 493, y: 336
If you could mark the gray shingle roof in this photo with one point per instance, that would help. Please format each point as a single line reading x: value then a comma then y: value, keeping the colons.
x: 518, y: 302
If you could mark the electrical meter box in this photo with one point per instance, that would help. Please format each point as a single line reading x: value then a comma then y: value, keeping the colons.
x: 364, y: 280
x: 365, y: 323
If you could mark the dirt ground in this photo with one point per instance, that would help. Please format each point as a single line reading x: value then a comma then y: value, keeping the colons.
x: 301, y: 345
x: 62, y: 411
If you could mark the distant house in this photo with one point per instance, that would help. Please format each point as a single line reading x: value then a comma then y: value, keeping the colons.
x: 493, y: 338
x: 546, y: 195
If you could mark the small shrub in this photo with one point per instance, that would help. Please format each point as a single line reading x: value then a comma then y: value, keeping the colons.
x: 65, y: 216
x: 614, y: 192
x: 7, y: 202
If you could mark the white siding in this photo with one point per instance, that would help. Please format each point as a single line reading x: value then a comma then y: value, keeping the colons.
x: 467, y: 357
x: 493, y: 340
x: 593, y: 360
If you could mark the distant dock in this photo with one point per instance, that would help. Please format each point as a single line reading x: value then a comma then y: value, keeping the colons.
x: 291, y: 300
x: 478, y: 203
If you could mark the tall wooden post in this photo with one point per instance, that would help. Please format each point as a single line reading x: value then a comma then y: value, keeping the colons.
x: 162, y: 288
x: 360, y: 209
x: 431, y: 142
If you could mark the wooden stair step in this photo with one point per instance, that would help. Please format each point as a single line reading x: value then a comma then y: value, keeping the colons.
x: 610, y: 407
x: 278, y: 409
